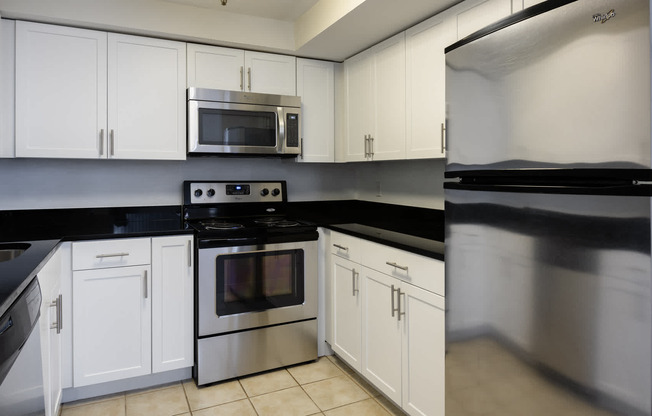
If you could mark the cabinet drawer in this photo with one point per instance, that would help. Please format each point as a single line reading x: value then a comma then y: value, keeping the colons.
x: 420, y: 271
x: 345, y: 246
x: 110, y: 253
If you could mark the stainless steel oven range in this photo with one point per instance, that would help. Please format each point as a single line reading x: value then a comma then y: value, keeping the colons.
x: 255, y: 279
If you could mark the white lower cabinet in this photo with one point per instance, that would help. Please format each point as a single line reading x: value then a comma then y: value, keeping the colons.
x: 132, y: 307
x: 50, y: 326
x: 346, y: 324
x: 400, y: 326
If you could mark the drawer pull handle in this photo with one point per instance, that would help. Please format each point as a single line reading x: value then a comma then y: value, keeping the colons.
x: 101, y: 256
x: 341, y: 247
x: 398, y: 266
x: 393, y: 308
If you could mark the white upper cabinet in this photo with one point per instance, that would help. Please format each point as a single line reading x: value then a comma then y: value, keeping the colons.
x: 473, y: 15
x: 388, y: 138
x: 375, y: 102
x: 147, y: 98
x: 217, y: 68
x: 87, y: 94
x: 359, y: 91
x: 61, y: 92
x: 426, y: 87
x: 315, y: 86
x: 271, y: 74
x: 238, y: 70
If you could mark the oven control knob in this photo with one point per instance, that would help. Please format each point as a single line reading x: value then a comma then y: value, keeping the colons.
x: 275, y: 192
x: 264, y: 192
x: 210, y: 192
x: 198, y: 193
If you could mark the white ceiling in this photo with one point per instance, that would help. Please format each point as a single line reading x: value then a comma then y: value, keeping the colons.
x: 287, y: 10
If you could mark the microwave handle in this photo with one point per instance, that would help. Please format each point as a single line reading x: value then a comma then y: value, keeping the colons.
x: 280, y: 116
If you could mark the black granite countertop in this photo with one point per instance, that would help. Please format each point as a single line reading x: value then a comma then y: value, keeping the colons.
x: 418, y: 245
x: 17, y: 273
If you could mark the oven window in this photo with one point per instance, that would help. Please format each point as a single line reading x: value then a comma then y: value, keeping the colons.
x: 237, y: 127
x: 259, y: 280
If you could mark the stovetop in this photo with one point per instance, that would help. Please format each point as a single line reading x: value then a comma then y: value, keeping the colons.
x: 253, y: 210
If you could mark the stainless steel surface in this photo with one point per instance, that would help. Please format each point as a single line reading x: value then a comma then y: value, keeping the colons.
x: 398, y: 266
x: 101, y: 142
x: 249, y: 79
x: 557, y: 90
x: 398, y: 298
x: 220, y: 192
x: 443, y: 134
x: 101, y: 256
x: 112, y: 143
x: 239, y: 97
x: 241, y: 78
x: 209, y: 323
x: 256, y: 350
x: 57, y: 303
x: 394, y: 310
x: 189, y: 254
x: 354, y: 276
x: 549, y: 303
x: 145, y: 288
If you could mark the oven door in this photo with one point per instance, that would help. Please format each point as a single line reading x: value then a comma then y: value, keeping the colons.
x: 218, y: 127
x: 258, y: 285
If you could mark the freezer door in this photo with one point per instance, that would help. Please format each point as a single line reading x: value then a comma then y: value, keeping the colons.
x: 549, y: 303
x: 567, y: 88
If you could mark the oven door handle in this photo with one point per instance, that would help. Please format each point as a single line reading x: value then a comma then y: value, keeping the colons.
x: 227, y: 242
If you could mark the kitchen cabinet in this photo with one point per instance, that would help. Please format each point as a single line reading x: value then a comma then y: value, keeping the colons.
x: 473, y: 15
x: 172, y: 303
x: 132, y: 307
x: 51, y: 326
x: 315, y: 86
x: 7, y: 86
x: 402, y: 321
x: 426, y: 86
x: 375, y: 102
x: 238, y: 70
x: 89, y: 94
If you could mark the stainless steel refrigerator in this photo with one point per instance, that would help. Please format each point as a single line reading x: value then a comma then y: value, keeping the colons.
x: 548, y: 262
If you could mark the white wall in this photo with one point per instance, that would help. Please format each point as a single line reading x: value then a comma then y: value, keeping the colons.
x: 63, y: 183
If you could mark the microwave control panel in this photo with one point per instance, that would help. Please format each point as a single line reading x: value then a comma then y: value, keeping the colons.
x: 292, y: 129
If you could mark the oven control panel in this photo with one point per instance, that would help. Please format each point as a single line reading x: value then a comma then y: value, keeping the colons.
x: 205, y: 192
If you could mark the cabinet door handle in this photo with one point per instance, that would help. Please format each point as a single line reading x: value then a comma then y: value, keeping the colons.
x: 249, y: 78
x: 101, y: 142
x: 392, y: 293
x: 398, y: 298
x: 366, y: 146
x: 101, y: 256
x: 57, y: 303
x: 354, y: 274
x: 242, y: 78
x: 189, y: 254
x: 371, y: 146
x: 112, y: 143
x: 301, y: 151
x: 398, y: 266
x: 146, y: 291
x: 341, y: 247
x: 443, y: 137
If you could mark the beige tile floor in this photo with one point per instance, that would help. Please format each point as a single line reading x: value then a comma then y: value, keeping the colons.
x: 323, y: 387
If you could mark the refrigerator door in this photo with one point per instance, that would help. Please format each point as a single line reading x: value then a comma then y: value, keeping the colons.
x: 565, y: 88
x: 549, y: 304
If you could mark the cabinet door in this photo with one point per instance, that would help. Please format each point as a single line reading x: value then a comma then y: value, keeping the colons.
x: 172, y: 303
x: 425, y: 83
x: 359, y: 91
x: 60, y: 91
x: 346, y: 311
x: 381, y: 333
x: 423, y: 351
x: 112, y: 324
x: 215, y: 67
x: 315, y: 86
x: 270, y: 73
x: 147, y: 98
x: 477, y: 14
x: 388, y: 137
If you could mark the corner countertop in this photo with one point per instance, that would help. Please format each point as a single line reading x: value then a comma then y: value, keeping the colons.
x: 16, y: 274
x: 418, y: 245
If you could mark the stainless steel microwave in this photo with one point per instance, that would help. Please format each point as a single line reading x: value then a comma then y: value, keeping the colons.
x: 239, y: 122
